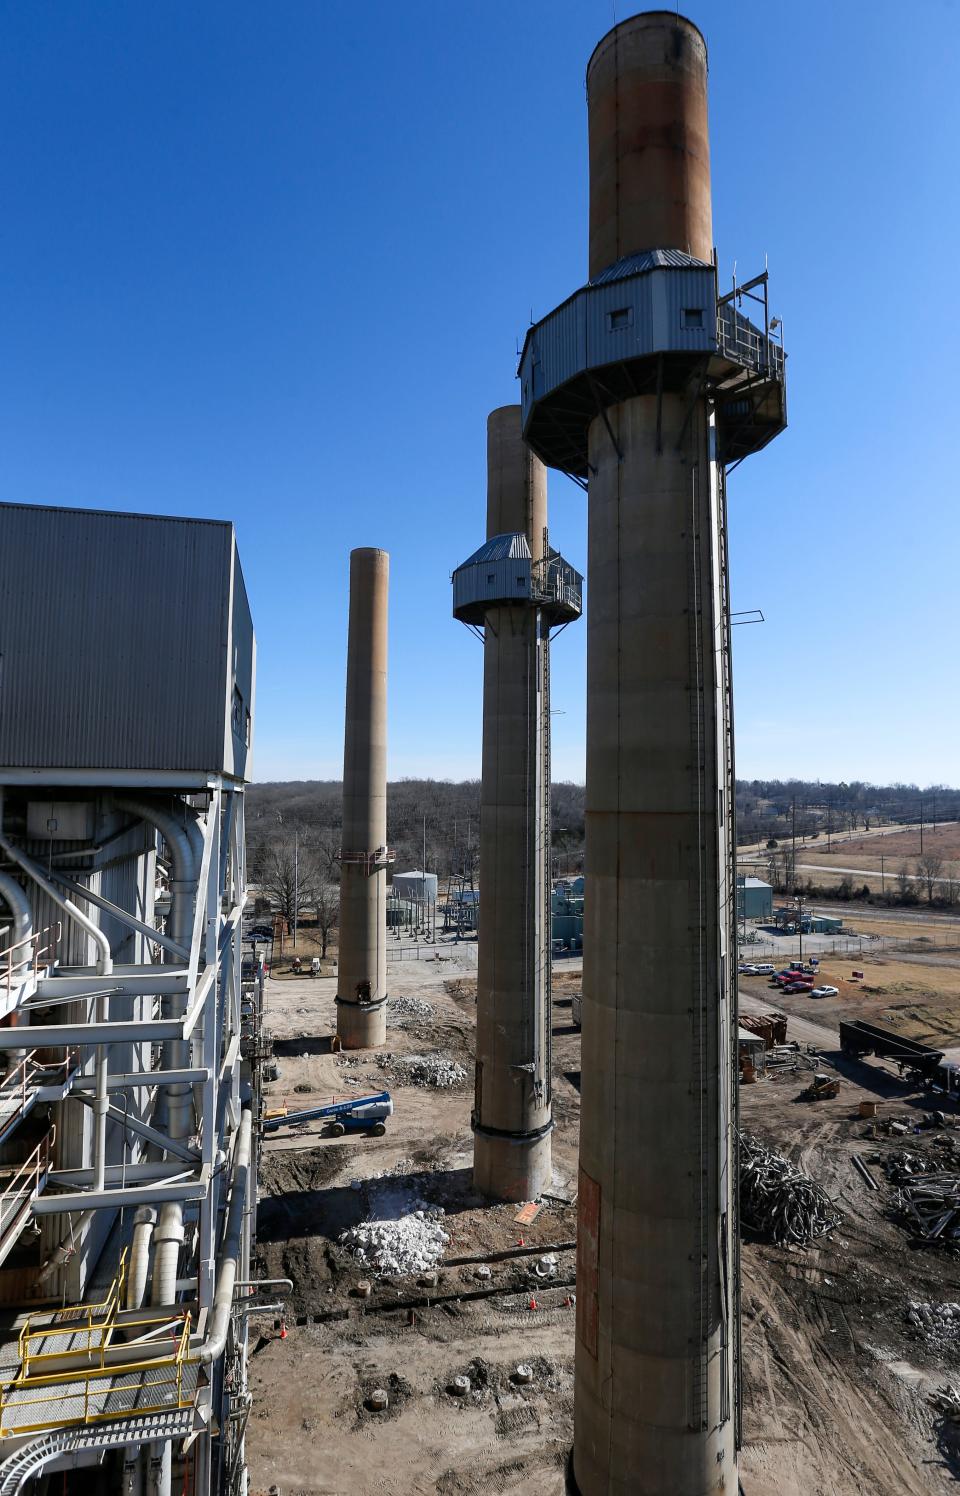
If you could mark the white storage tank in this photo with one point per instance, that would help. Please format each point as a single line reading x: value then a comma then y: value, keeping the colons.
x: 421, y: 887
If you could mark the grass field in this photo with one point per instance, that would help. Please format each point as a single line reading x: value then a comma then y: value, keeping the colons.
x: 896, y: 848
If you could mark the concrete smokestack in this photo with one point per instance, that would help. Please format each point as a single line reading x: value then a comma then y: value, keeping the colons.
x: 649, y: 144
x: 512, y: 1121
x: 362, y: 962
x: 515, y: 591
x: 643, y: 385
x: 654, y: 1352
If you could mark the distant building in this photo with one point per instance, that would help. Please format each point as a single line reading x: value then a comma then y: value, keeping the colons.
x: 754, y: 898
x: 566, y: 910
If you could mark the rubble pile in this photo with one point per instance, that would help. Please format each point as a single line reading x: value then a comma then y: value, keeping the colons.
x: 937, y: 1322
x: 410, y: 1244
x: 400, y: 1008
x: 779, y: 1201
x: 436, y: 1071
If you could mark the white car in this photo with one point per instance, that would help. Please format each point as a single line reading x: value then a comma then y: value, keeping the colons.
x: 765, y: 970
x: 746, y: 970
x: 825, y: 992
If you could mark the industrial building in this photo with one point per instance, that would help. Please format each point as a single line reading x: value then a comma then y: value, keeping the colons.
x: 128, y: 1106
x: 754, y: 898
x: 566, y: 920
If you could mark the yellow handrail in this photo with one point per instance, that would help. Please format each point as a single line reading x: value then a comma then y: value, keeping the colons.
x: 15, y: 1395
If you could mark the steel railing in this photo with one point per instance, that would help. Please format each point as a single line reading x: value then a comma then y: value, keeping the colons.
x: 158, y: 1389
x: 38, y: 950
x: 47, y: 1378
x: 25, y: 1183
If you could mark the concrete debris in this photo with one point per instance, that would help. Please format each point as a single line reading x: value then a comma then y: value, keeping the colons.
x: 399, y: 1008
x: 436, y: 1071
x: 397, y: 1248
x: 779, y: 1201
x: 937, y: 1322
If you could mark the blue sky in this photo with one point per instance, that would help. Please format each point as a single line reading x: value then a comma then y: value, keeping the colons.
x: 272, y: 263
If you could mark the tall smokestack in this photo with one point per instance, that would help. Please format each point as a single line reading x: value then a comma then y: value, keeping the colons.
x: 645, y: 383
x: 517, y: 589
x: 362, y: 962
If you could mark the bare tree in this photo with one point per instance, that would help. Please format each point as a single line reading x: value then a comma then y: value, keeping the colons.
x: 904, y: 888
x: 288, y: 881
x: 326, y: 906
x: 929, y: 868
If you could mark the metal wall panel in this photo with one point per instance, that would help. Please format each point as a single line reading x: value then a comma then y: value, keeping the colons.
x: 491, y: 582
x: 117, y: 649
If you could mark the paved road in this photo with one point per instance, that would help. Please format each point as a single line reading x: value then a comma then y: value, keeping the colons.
x: 858, y: 872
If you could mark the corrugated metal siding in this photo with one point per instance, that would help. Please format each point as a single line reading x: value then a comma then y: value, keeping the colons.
x: 491, y: 582
x: 647, y: 259
x: 584, y: 332
x: 113, y: 636
x: 561, y: 345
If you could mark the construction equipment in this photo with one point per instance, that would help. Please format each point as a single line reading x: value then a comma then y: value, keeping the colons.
x: 359, y: 1114
x: 820, y: 1088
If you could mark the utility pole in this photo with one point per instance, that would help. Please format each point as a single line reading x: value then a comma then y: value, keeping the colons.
x: 883, y: 884
x: 793, y: 849
x: 296, y: 882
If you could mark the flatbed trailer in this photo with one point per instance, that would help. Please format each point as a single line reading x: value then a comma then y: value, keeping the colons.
x: 858, y: 1038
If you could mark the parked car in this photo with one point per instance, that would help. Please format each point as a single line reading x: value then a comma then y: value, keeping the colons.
x: 798, y: 987
x: 746, y: 970
x: 764, y: 969
x: 824, y: 992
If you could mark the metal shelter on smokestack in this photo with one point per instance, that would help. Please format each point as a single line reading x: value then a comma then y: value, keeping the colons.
x: 516, y: 589
x: 644, y: 386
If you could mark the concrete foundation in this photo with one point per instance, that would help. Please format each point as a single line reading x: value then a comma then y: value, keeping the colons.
x: 362, y: 963
x: 656, y: 1317
x: 512, y: 1106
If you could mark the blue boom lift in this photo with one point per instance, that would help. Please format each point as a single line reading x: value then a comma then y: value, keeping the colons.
x: 358, y: 1114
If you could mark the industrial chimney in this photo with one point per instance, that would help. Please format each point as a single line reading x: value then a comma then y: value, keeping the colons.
x: 645, y: 385
x: 515, y: 588
x: 362, y: 962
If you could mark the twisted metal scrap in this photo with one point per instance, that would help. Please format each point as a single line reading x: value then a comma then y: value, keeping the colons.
x: 779, y: 1201
x: 929, y: 1206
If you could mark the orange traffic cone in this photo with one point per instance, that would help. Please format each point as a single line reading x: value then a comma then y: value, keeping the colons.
x: 283, y: 1329
x: 533, y: 1303
x: 520, y: 1240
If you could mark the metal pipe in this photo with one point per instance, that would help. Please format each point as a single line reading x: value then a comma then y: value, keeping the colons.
x: 104, y: 969
x: 168, y: 1238
x: 14, y: 895
x: 216, y: 1337
x: 186, y: 849
x: 144, y: 1222
x: 64, y: 1249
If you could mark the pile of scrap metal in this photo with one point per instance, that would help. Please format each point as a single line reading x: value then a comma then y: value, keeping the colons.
x: 770, y: 1027
x: 820, y: 1088
x: 929, y: 1206
x: 778, y: 1201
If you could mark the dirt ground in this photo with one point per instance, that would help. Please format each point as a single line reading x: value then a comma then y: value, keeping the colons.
x: 917, y: 991
x: 835, y: 1378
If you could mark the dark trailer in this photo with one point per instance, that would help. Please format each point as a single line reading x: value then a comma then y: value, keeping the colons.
x: 858, y: 1038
